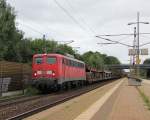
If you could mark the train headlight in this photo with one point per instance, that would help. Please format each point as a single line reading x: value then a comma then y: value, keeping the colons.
x: 35, y: 74
x: 53, y: 74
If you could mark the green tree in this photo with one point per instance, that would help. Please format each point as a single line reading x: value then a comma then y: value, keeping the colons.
x: 94, y: 59
x: 111, y: 60
x: 63, y: 49
x: 9, y: 34
x: 147, y: 61
x: 25, y: 50
x: 38, y: 46
x: 146, y: 73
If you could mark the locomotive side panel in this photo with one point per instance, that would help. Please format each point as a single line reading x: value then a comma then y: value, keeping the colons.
x: 73, y: 70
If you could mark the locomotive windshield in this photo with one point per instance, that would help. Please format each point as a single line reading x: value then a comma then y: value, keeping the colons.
x: 38, y: 60
x: 51, y: 60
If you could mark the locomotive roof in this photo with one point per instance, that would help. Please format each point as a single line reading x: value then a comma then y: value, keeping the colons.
x: 59, y: 55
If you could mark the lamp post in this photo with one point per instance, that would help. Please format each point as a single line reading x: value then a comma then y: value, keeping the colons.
x: 138, y: 41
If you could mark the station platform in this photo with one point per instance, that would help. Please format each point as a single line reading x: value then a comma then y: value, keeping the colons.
x: 125, y: 104
x: 115, y: 101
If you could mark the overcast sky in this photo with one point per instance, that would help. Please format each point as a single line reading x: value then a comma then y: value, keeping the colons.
x: 92, y: 17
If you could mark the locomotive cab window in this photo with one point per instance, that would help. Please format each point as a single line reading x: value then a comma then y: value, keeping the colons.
x: 38, y: 60
x: 51, y: 60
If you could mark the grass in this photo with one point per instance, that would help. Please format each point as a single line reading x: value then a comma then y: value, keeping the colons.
x: 10, y: 97
x: 145, y: 98
x: 30, y: 91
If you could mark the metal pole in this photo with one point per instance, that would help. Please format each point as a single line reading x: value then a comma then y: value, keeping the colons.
x: 130, y: 75
x: 134, y: 48
x: 44, y: 41
x: 138, y: 49
x: 138, y: 44
x: 134, y: 45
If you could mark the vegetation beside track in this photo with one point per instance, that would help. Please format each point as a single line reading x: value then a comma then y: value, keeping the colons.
x: 144, y: 97
x: 30, y: 91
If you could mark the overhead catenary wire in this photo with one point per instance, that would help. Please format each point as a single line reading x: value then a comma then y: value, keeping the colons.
x: 81, y: 17
x: 114, y: 41
x: 120, y: 34
x: 147, y: 43
x: 145, y: 36
x: 71, y: 16
x: 144, y: 44
x: 108, y: 43
x: 43, y: 35
x: 108, y: 35
x: 31, y: 28
x: 34, y: 30
x: 124, y: 38
x: 82, y: 27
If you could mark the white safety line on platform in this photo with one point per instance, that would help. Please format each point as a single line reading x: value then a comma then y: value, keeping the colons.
x: 91, y: 111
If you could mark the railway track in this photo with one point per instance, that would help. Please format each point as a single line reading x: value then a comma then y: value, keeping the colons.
x: 24, y: 108
x: 9, y: 102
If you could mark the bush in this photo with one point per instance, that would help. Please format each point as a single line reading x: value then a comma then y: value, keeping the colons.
x: 29, y: 91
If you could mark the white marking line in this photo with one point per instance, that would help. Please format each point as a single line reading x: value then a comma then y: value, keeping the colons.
x: 89, y: 113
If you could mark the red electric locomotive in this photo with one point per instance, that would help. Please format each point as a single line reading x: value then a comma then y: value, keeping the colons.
x: 55, y: 71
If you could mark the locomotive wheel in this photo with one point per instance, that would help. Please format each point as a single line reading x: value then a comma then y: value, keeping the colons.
x: 69, y: 85
x: 80, y: 83
x: 73, y: 84
x: 59, y: 87
x: 66, y: 87
x: 63, y: 86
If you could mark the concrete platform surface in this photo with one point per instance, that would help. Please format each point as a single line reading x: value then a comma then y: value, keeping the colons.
x: 146, y: 81
x: 126, y: 105
x: 90, y: 112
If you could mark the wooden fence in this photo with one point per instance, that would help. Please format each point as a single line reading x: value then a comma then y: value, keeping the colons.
x: 13, y: 75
